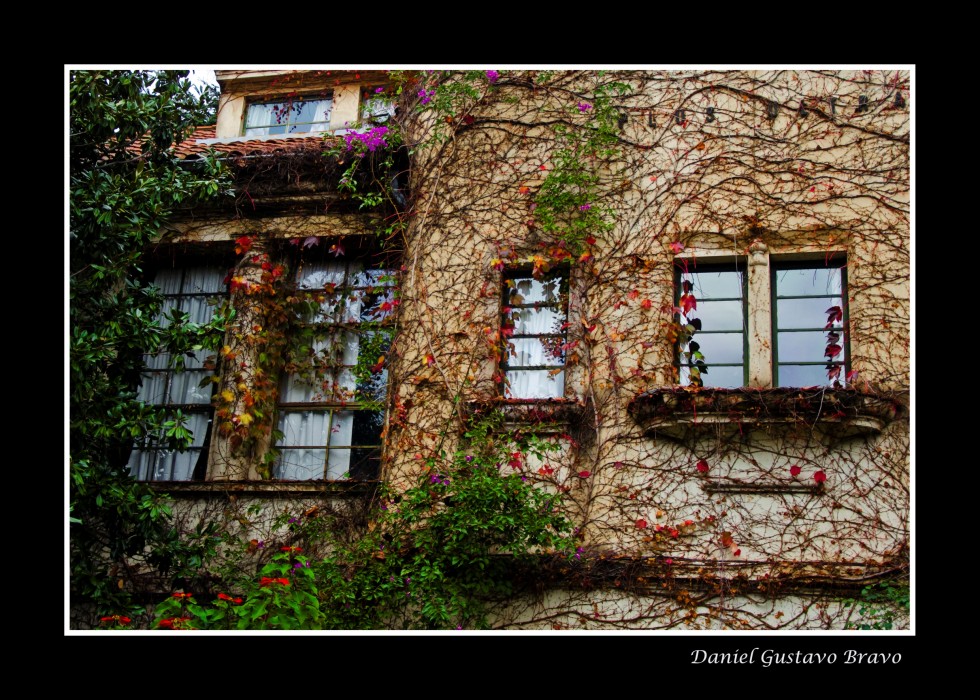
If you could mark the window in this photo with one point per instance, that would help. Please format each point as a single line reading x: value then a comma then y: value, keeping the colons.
x: 174, y: 381
x: 296, y: 115
x: 534, y: 335
x: 808, y: 324
x: 712, y: 303
x: 331, y: 405
x: 377, y: 106
x: 762, y: 322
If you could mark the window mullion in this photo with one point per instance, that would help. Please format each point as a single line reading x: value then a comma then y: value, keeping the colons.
x: 759, y: 303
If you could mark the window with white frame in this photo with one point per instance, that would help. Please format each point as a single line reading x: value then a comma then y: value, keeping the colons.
x: 765, y: 321
x: 331, y: 404
x: 179, y: 382
x: 291, y: 116
x: 534, y: 330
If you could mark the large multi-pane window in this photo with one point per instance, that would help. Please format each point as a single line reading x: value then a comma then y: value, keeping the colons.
x: 175, y: 381
x: 803, y: 341
x: 534, y: 335
x: 331, y: 405
x: 712, y: 341
x: 296, y: 115
x: 809, y: 345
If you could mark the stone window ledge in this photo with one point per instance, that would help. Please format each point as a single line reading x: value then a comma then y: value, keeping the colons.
x: 684, y: 413
x: 271, y: 488
x: 546, y: 415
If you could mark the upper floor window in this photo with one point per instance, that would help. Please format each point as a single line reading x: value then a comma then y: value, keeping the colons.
x: 293, y: 116
x: 809, y: 335
x: 783, y: 323
x: 331, y: 405
x: 178, y: 381
x: 377, y: 106
x: 534, y: 335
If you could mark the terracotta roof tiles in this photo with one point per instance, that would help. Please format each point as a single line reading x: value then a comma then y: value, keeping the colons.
x: 193, y: 145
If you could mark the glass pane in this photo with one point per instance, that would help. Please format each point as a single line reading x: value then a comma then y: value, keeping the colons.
x: 365, y: 463
x: 719, y: 347
x: 301, y: 464
x: 375, y: 277
x: 719, y: 315
x: 377, y: 307
x: 367, y: 428
x: 304, y: 427
x: 718, y: 377
x: 527, y: 290
x: 804, y: 375
x: 203, y: 280
x: 341, y: 428
x: 320, y: 275
x: 535, y: 321
x: 530, y: 352
x: 153, y: 389
x: 804, y: 313
x: 716, y: 285
x: 185, y: 388
x: 298, y: 389
x: 806, y: 346
x: 808, y: 282
x: 338, y: 464
x: 534, y: 384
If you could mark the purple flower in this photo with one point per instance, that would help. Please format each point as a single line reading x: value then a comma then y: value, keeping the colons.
x: 293, y: 520
x: 426, y: 95
x: 371, y: 140
x: 584, y: 106
x: 469, y: 458
x: 492, y: 76
x: 378, y: 91
x: 585, y: 207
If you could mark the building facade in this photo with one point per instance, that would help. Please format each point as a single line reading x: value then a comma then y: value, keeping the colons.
x: 695, y: 283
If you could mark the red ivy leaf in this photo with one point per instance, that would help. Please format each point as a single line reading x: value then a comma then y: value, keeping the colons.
x: 834, y: 314
x: 833, y: 350
x: 702, y: 466
x: 641, y: 523
x: 795, y: 470
x: 585, y: 474
x: 819, y: 477
x: 687, y: 303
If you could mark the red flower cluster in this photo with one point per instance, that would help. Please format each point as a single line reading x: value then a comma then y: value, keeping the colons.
x: 182, y: 595
x: 225, y: 596
x: 291, y: 549
x: 121, y: 619
x: 266, y: 581
x: 173, y: 623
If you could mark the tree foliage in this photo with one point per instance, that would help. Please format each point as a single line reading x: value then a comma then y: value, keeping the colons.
x: 124, y: 183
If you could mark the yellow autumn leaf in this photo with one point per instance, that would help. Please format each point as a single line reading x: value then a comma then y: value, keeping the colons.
x: 245, y: 419
x: 227, y: 396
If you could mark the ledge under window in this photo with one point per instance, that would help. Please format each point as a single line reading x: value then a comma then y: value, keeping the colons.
x: 544, y: 414
x: 683, y: 413
x: 270, y: 488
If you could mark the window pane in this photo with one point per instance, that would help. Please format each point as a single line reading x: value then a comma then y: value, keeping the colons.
x: 527, y: 290
x: 804, y: 313
x: 804, y: 375
x: 185, y: 388
x: 808, y: 282
x: 301, y: 464
x: 367, y: 428
x: 306, y: 428
x: 719, y: 315
x: 804, y: 346
x: 716, y: 285
x: 535, y: 321
x: 531, y: 352
x: 534, y: 384
x: 719, y: 377
x: 719, y: 347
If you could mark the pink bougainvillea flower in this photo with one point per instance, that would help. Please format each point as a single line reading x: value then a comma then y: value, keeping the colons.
x: 795, y: 470
x: 492, y: 76
x: 702, y: 466
x: 819, y: 477
x: 584, y: 107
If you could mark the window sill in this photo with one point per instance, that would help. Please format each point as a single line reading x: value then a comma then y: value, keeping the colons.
x: 546, y: 415
x: 683, y: 413
x: 295, y: 489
